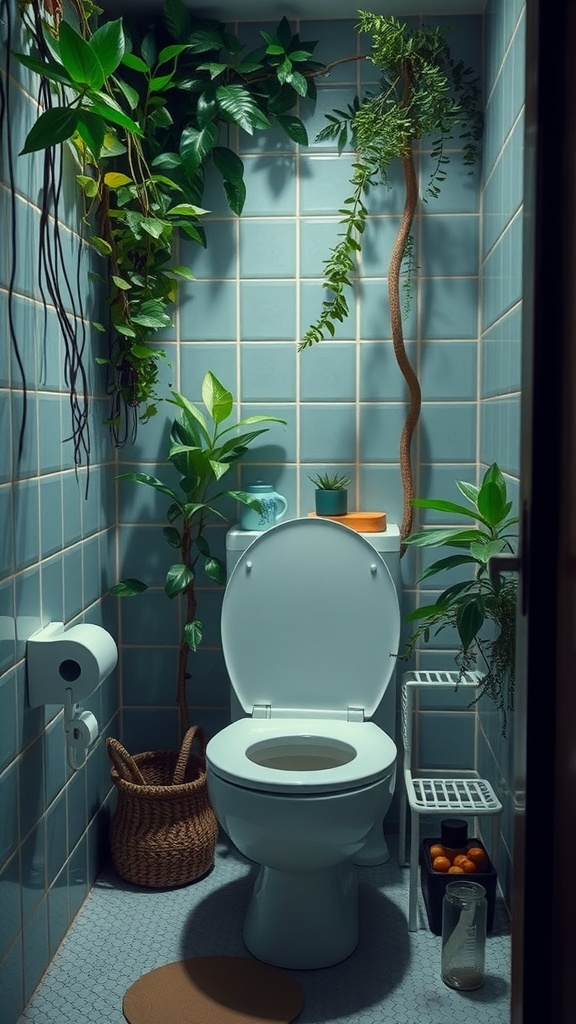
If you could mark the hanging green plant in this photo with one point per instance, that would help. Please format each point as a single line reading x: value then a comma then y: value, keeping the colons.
x: 423, y: 92
x: 143, y: 112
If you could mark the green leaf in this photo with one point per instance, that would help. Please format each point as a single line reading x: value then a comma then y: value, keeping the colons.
x: 483, y: 551
x: 177, y: 18
x: 217, y: 399
x: 214, y: 69
x: 193, y: 634
x: 469, y: 620
x: 115, y: 179
x: 182, y: 272
x: 92, y: 131
x: 101, y: 245
x: 169, y: 52
x: 178, y: 578
x: 125, y: 330
x: 155, y: 323
x: 132, y: 97
x: 216, y: 570
x: 453, y: 595
x: 134, y: 62
x: 109, y: 111
x: 469, y: 491
x: 298, y: 83
x: 444, y: 506
x: 152, y: 481
x: 425, y: 611
x: 228, y: 163
x: 446, y: 563
x: 108, y: 45
x: 172, y: 536
x: 127, y: 588
x: 152, y: 226
x: 191, y: 412
x: 237, y: 105
x: 203, y: 40
x: 434, y: 538
x: 45, y: 69
x: 219, y: 468
x: 186, y: 210
x: 159, y: 83
x: 257, y: 419
x: 491, y: 502
x: 120, y: 283
x: 235, y: 195
x: 88, y: 185
x: 148, y: 48
x: 147, y: 352
x: 51, y: 128
x: 294, y: 128
x: 79, y: 58
x: 195, y: 145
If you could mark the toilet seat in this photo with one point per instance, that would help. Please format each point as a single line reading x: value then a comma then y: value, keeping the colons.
x: 373, y: 755
x: 310, y: 622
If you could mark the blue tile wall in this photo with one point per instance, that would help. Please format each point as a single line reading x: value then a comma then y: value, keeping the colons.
x: 51, y: 569
x: 501, y: 325
x: 258, y: 287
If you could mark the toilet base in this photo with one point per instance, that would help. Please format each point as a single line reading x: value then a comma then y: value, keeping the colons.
x: 303, y: 920
x: 375, y: 850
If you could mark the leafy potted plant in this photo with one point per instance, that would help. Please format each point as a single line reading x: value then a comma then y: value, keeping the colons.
x: 201, y: 452
x: 331, y: 497
x: 482, y: 607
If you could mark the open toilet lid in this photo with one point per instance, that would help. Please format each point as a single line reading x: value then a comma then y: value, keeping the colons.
x: 310, y: 620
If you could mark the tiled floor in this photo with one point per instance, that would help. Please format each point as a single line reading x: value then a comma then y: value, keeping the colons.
x: 393, y: 976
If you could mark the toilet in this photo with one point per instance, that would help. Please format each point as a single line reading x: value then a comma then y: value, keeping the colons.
x: 310, y: 627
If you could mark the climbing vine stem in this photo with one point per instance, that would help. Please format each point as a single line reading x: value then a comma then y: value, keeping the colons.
x: 423, y: 93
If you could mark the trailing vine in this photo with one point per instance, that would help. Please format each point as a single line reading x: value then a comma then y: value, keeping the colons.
x: 57, y: 285
x: 423, y: 92
x: 142, y: 105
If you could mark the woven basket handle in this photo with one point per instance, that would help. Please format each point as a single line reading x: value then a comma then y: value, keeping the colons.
x: 123, y: 762
x: 194, y: 732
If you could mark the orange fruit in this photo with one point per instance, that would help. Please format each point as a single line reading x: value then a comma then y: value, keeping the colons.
x: 455, y: 869
x: 476, y: 854
x: 468, y: 866
x: 437, y: 850
x: 459, y: 859
x: 441, y: 864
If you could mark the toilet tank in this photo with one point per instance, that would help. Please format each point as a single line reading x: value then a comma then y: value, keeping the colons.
x: 387, y: 544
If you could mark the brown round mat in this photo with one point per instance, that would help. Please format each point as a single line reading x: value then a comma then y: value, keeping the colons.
x: 214, y: 990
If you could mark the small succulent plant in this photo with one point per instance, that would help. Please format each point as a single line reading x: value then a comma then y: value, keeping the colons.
x: 330, y: 481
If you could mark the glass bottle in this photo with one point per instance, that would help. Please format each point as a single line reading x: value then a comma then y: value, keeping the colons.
x: 463, y: 935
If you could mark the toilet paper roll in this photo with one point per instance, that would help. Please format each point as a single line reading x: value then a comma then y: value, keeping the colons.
x: 77, y: 660
x: 83, y: 731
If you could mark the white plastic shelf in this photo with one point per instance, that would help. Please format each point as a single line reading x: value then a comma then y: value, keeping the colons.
x: 466, y: 795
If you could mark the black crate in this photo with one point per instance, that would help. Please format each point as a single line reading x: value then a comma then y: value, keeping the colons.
x: 434, y: 884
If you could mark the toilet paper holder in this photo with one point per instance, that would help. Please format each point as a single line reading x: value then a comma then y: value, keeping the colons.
x: 64, y: 666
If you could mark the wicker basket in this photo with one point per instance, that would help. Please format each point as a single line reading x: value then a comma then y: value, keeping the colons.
x: 164, y: 831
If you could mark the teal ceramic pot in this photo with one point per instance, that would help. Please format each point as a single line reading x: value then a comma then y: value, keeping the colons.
x: 274, y: 506
x: 331, y: 503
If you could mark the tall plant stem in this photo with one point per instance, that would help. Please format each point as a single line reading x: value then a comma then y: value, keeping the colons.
x: 415, y: 400
x: 406, y: 369
x: 181, y: 692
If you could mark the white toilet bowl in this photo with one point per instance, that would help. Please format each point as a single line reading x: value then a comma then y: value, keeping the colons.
x: 309, y: 623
